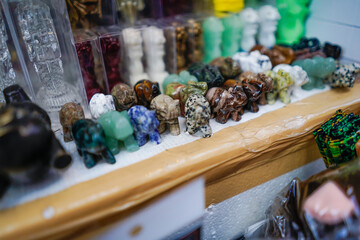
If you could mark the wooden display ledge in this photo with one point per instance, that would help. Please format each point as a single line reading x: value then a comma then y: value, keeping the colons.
x: 232, y: 160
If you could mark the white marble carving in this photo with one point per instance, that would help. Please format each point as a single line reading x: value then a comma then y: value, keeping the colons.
x: 250, y: 20
x: 100, y: 104
x: 253, y: 61
x: 268, y: 18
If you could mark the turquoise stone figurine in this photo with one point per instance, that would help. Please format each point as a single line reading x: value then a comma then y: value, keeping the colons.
x: 183, y: 78
x: 231, y: 35
x: 317, y: 69
x: 89, y: 137
x: 213, y: 30
x: 118, y: 130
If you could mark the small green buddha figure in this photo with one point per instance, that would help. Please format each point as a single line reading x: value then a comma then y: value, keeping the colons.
x: 183, y: 78
x: 118, y: 131
x: 291, y: 25
x: 281, y: 83
x: 317, y: 68
x: 231, y: 35
x: 213, y: 30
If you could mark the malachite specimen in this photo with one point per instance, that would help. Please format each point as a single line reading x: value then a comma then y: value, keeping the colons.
x: 317, y: 69
x: 281, y: 82
x: 118, y: 131
x: 231, y: 35
x: 291, y: 24
x: 337, y: 138
x: 213, y: 30
x: 183, y: 78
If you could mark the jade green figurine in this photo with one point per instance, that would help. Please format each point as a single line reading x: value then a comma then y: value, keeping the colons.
x: 118, y: 131
x: 183, y: 78
x: 281, y: 83
x: 231, y: 35
x: 317, y: 69
x: 291, y: 26
x: 213, y: 30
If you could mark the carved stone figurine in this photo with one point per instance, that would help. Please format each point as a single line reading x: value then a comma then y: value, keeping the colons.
x: 277, y: 54
x: 28, y: 147
x: 269, y: 17
x: 213, y: 30
x: 15, y: 93
x: 197, y: 114
x: 184, y: 77
x: 90, y: 141
x: 344, y: 75
x: 190, y: 89
x: 332, y: 50
x: 134, y: 52
x: 253, y: 62
x: 167, y: 112
x: 207, y: 73
x: 124, y: 96
x: 154, y: 46
x: 146, y: 91
x: 173, y: 90
x: 282, y: 81
x: 145, y: 124
x: 69, y: 114
x: 299, y: 76
x: 267, y: 81
x: 118, y: 130
x: 250, y: 20
x: 100, y: 104
x: 253, y: 89
x: 228, y: 67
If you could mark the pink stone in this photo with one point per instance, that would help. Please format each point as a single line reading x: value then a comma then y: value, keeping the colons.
x: 329, y: 204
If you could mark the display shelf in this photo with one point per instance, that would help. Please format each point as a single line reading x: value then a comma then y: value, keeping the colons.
x: 233, y: 160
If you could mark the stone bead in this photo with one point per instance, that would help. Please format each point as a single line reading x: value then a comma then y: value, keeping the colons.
x: 124, y: 97
x: 317, y: 69
x: 146, y: 91
x: 344, y: 75
x: 278, y: 55
x: 197, y: 114
x: 90, y: 141
x: 207, y: 73
x: 184, y: 77
x: 100, y: 104
x: 253, y: 61
x: 118, y: 130
x: 228, y: 67
x: 69, y: 114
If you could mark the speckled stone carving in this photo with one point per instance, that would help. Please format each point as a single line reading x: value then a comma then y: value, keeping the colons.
x: 100, y: 104
x: 69, y: 114
x: 145, y: 124
x: 277, y: 54
x: 253, y: 61
x: 207, y: 73
x: 228, y: 67
x: 281, y: 81
x: 190, y: 89
x: 146, y: 91
x: 197, y: 114
x: 167, y: 112
x: 90, y: 141
x: 344, y: 75
x: 124, y: 97
x: 299, y: 76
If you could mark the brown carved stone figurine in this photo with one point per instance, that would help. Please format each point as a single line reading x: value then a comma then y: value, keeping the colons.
x: 278, y: 55
x: 228, y: 67
x: 69, y: 114
x: 253, y: 88
x: 124, y: 96
x: 267, y: 81
x: 167, y: 112
x: 146, y: 91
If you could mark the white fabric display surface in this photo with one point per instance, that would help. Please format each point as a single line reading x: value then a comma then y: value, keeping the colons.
x: 77, y: 172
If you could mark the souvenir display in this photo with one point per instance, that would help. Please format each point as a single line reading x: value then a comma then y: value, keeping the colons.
x: 228, y: 67
x: 213, y: 30
x: 250, y: 21
x: 282, y: 81
x: 167, y: 112
x: 197, y: 114
x: 253, y: 61
x: 299, y: 76
x: 338, y: 138
x: 344, y: 75
x: 231, y: 35
x: 317, y: 69
x: 90, y: 141
x: 146, y: 91
x: 118, y: 130
x: 68, y: 115
x: 100, y: 104
x: 278, y: 55
x: 266, y: 80
x: 183, y: 78
x: 207, y: 73
x: 268, y: 20
x: 194, y: 43
x: 145, y: 125
x: 154, y: 47
x: 124, y: 96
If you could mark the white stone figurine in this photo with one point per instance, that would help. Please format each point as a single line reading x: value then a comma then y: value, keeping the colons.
x: 298, y: 74
x: 154, y: 44
x: 100, y: 104
x: 134, y: 52
x: 268, y: 17
x: 250, y: 21
x: 253, y: 61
